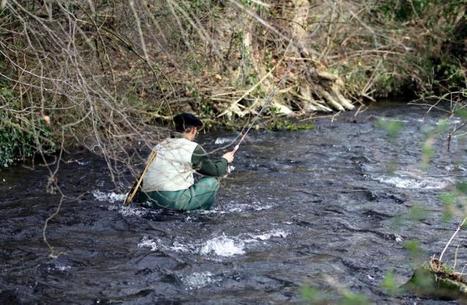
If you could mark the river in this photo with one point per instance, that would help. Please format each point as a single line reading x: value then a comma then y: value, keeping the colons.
x: 324, y: 207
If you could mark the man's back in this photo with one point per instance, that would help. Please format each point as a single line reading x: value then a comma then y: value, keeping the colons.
x: 172, y: 169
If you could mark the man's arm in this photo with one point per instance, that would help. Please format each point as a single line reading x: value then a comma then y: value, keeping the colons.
x: 206, y: 166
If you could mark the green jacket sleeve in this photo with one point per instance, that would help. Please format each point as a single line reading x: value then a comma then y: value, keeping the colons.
x: 207, y: 166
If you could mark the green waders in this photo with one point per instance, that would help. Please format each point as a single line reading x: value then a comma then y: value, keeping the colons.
x: 200, y: 195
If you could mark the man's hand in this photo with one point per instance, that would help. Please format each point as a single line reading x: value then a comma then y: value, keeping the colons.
x: 229, y: 156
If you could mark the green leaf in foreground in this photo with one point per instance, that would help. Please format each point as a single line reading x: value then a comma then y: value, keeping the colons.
x: 389, y: 283
x: 314, y: 296
x: 415, y: 252
x: 442, y: 126
x: 461, y: 113
x: 392, y: 127
x: 448, y: 199
x: 417, y: 212
x: 350, y: 298
x: 427, y: 151
x: 462, y: 187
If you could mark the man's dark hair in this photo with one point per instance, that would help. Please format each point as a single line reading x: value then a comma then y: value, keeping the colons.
x: 184, y: 121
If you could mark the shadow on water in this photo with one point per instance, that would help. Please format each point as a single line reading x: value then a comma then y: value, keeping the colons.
x: 299, y: 205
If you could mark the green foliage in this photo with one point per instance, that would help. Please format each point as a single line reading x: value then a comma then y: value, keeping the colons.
x: 389, y: 284
x: 417, y: 212
x: 206, y: 109
x: 12, y: 144
x: 402, y: 10
x: 386, y: 83
x: 412, y: 246
x: 423, y: 279
x: 415, y: 251
x: 405, y: 10
x: 462, y: 187
x: 461, y: 113
x: 434, y: 65
x: 430, y: 137
x: 454, y: 202
x: 314, y: 296
x: 448, y: 75
x: 350, y: 298
x: 427, y: 152
x: 448, y: 199
x: 391, y: 126
x: 18, y: 134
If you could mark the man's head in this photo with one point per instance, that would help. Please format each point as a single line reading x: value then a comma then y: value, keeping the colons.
x: 188, y: 124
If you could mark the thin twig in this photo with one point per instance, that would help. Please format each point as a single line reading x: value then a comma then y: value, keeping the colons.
x: 450, y: 240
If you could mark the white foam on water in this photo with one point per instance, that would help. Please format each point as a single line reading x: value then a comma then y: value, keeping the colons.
x: 406, y: 182
x: 222, y: 140
x: 146, y: 242
x: 456, y: 167
x: 179, y: 247
x: 198, y: 280
x: 63, y: 268
x: 385, y: 119
x: 223, y: 246
x: 398, y: 238
x: 230, y: 246
x: 113, y: 197
x: 269, y: 235
x: 157, y: 244
x: 263, y: 207
x: 451, y: 121
x: 58, y: 267
x: 108, y: 197
x: 128, y: 211
x: 233, y: 207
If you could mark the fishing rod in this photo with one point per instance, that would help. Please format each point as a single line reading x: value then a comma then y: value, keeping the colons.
x: 240, y: 142
x: 257, y: 116
x: 230, y: 168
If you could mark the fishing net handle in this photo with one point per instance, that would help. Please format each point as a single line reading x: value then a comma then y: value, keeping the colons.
x: 137, y: 184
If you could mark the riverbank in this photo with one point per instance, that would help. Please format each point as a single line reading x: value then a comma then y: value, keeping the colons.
x: 106, y: 75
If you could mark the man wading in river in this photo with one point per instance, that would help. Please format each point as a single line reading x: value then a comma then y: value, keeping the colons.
x: 169, y: 182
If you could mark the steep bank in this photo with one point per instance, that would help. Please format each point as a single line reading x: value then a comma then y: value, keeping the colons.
x: 105, y: 74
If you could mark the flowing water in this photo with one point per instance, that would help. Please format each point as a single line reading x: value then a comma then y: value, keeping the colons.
x: 323, y: 207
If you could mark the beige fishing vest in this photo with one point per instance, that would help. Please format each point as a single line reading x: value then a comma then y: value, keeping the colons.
x: 172, y: 169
